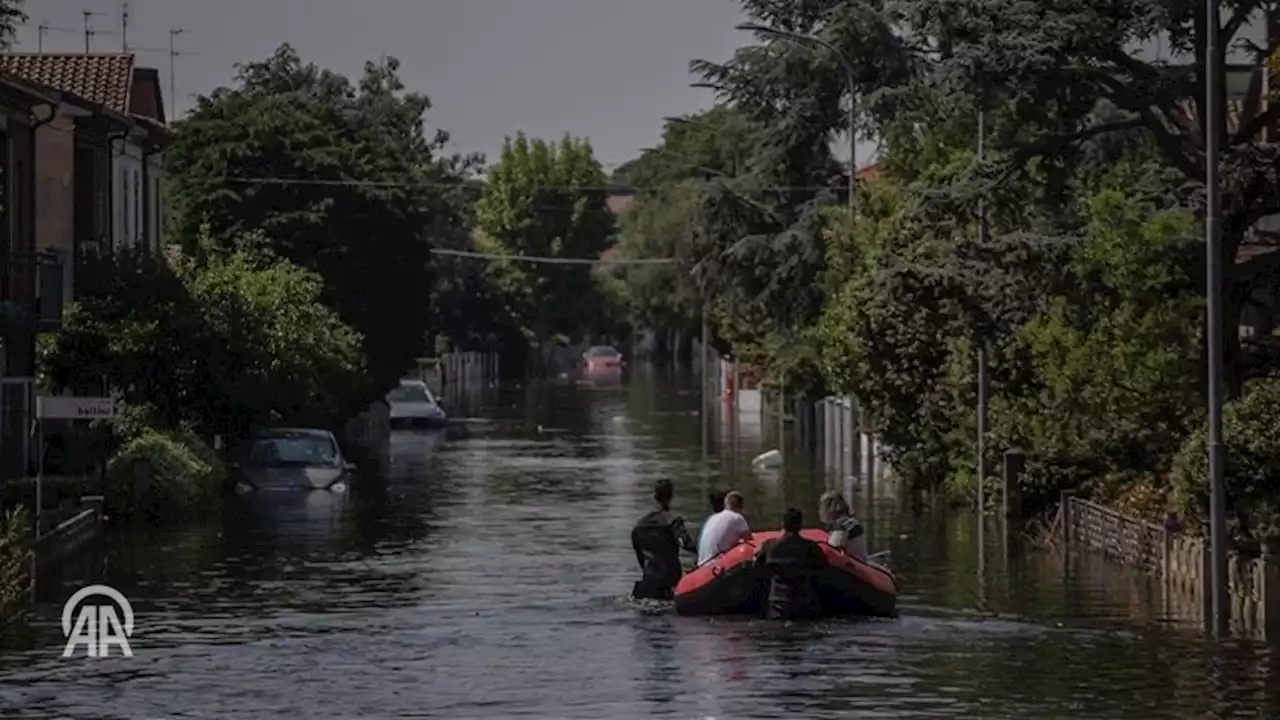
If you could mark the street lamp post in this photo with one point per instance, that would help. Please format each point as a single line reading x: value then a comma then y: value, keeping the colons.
x: 1214, y: 331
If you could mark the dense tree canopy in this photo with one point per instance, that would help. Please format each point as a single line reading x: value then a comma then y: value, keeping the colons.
x: 1087, y: 286
x: 547, y: 200
x: 668, y: 180
x: 342, y: 178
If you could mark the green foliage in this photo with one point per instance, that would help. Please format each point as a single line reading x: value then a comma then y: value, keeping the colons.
x: 670, y: 180
x: 546, y: 200
x: 12, y: 16
x: 162, y: 475
x: 1114, y: 371
x: 218, y: 341
x: 1085, y: 288
x: 887, y: 331
x: 15, y: 530
x: 694, y: 147
x: 342, y: 178
x: 1094, y: 379
x: 661, y: 296
x: 1252, y: 470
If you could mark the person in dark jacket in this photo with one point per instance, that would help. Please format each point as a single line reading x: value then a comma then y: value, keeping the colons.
x: 793, y: 565
x: 657, y: 539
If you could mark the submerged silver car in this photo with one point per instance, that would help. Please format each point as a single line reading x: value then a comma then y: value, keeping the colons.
x: 411, y: 405
x: 293, y: 459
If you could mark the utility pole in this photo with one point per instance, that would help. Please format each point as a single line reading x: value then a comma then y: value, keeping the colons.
x: 1213, y: 309
x: 124, y: 27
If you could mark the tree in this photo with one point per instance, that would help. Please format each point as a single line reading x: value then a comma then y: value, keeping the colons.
x: 1053, y: 76
x: 669, y: 181
x: 12, y: 16
x: 702, y: 145
x: 343, y: 180
x: 546, y: 200
x: 219, y: 340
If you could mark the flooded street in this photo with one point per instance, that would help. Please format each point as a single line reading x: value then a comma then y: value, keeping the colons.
x: 485, y: 577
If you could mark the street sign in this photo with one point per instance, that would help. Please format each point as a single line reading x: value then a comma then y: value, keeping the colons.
x: 75, y: 408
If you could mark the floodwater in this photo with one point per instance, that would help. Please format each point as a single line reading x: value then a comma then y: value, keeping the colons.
x: 484, y: 576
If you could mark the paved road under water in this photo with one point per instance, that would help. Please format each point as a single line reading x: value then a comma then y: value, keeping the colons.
x: 484, y: 577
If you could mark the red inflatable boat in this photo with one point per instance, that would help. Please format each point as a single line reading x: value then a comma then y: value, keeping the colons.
x: 733, y: 584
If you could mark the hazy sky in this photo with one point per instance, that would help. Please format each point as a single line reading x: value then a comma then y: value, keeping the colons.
x: 606, y: 69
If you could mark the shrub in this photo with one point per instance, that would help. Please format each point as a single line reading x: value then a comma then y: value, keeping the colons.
x: 216, y: 340
x: 1252, y: 471
x: 185, y: 476
x: 14, y: 580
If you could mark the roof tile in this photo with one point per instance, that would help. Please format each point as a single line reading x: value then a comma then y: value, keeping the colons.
x: 105, y: 79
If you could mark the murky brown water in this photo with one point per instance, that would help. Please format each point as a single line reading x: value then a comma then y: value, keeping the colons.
x: 486, y: 581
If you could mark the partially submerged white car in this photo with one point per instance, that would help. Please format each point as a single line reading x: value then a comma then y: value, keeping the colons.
x: 412, y: 405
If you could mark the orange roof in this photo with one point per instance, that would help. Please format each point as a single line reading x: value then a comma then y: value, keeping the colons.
x: 105, y: 79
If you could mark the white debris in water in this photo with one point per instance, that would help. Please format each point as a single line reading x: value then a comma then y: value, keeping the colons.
x: 767, y: 460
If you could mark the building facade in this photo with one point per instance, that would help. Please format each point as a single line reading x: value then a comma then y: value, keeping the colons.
x: 129, y: 115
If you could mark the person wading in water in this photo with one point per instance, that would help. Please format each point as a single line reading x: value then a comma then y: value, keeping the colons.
x: 793, y: 565
x: 657, y: 539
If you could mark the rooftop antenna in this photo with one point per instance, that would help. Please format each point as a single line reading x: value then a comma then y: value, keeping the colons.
x: 89, y: 30
x: 44, y: 28
x: 173, y: 67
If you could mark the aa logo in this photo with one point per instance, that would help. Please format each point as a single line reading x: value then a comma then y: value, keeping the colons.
x: 97, y: 625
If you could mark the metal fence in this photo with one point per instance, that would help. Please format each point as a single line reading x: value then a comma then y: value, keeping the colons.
x: 1182, y: 564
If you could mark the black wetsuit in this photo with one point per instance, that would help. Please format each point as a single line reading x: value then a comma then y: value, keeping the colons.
x: 657, y: 539
x: 794, y: 566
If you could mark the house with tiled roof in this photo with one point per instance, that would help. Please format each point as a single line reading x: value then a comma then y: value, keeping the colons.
x: 31, y: 282
x: 128, y: 119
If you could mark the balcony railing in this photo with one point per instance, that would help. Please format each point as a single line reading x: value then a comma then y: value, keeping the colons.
x: 32, y: 297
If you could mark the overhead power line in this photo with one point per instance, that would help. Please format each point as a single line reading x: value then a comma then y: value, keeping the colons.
x: 477, y: 184
x: 556, y: 260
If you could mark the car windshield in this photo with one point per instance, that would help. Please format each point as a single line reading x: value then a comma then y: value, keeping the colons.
x: 295, y: 450
x: 410, y: 393
x: 602, y: 351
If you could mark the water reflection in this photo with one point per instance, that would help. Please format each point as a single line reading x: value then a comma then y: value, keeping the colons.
x: 479, y: 574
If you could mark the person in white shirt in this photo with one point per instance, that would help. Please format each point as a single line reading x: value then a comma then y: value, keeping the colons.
x: 724, y: 529
x: 716, y: 497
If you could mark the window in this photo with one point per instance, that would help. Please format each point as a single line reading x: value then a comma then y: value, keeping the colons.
x: 293, y: 451
x: 410, y: 393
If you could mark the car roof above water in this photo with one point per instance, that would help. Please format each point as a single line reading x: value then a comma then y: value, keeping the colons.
x: 276, y: 433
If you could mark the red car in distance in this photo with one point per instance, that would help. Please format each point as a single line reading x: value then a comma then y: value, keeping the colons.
x: 602, y: 358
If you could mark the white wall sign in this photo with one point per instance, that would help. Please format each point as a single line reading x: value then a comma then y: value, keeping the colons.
x: 75, y: 408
